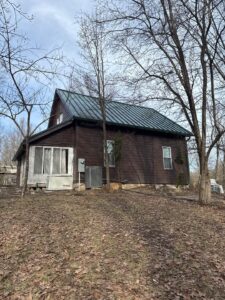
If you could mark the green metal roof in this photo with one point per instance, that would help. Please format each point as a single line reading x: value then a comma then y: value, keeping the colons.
x: 117, y: 113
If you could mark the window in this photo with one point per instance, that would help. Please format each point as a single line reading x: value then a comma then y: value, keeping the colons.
x: 64, y: 161
x: 38, y: 154
x: 56, y: 161
x: 110, y: 152
x: 167, y: 158
x: 59, y: 119
x: 49, y: 160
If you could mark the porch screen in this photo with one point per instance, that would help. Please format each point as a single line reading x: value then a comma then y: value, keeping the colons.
x: 64, y: 161
x: 47, y: 161
x: 56, y: 161
x: 38, y: 160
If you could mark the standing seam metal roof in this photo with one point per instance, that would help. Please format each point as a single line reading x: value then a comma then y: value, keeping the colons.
x: 118, y: 113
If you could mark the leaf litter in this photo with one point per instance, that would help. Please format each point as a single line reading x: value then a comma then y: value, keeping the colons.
x: 111, y: 246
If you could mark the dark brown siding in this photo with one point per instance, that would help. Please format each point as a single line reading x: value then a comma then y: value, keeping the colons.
x: 61, y: 138
x: 141, y: 156
x: 57, y: 109
x: 180, y: 171
x: 141, y: 159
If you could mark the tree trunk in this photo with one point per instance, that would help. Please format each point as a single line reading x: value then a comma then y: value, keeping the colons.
x: 24, y: 189
x: 27, y: 154
x: 106, y: 158
x: 204, y: 185
x: 224, y: 168
x: 217, y: 162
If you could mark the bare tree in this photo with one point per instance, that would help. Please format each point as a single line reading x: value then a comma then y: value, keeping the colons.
x: 25, y: 72
x: 177, y: 52
x: 94, y: 77
x: 223, y: 169
x: 10, y: 140
x: 217, y: 161
x: 221, y: 162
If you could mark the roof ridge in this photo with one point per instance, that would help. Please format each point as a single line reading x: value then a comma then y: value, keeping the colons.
x: 72, y: 92
x: 115, y: 101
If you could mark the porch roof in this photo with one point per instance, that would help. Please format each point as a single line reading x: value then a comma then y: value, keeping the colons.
x: 39, y: 135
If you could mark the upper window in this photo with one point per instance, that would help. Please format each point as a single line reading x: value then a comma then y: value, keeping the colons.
x: 59, y: 119
x: 110, y: 152
x: 51, y: 160
x: 167, y: 158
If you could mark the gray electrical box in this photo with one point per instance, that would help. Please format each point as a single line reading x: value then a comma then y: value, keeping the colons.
x: 81, y: 165
x: 93, y: 177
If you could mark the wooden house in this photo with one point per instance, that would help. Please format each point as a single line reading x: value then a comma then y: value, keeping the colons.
x: 144, y: 147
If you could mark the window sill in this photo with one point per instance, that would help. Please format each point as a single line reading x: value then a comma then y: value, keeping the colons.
x: 58, y: 175
x: 53, y: 175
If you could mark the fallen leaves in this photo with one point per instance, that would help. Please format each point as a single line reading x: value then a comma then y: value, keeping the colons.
x: 111, y: 246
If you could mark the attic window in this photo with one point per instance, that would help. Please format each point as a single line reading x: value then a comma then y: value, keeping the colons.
x: 59, y: 119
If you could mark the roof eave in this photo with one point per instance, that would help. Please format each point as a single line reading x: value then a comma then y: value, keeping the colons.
x: 188, y: 134
x: 39, y: 135
x: 18, y: 152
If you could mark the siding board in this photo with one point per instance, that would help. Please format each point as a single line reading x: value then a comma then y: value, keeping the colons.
x: 141, y: 155
x: 58, y: 108
x: 141, y: 159
x: 61, y: 138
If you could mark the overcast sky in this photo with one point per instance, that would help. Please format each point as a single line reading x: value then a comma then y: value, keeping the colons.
x: 54, y: 23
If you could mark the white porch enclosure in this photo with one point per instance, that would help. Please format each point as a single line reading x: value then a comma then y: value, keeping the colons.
x: 51, y: 167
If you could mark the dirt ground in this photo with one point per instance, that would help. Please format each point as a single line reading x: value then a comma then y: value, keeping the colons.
x: 123, y: 245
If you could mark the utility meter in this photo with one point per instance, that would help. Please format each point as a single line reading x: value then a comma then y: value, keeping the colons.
x: 81, y: 165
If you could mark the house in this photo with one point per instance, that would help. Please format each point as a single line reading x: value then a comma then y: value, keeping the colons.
x: 8, y: 175
x: 143, y: 146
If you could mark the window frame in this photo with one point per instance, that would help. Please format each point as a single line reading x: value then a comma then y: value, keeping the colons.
x: 41, y: 160
x: 59, y: 119
x: 51, y: 161
x: 43, y: 155
x: 110, y: 165
x: 171, y: 158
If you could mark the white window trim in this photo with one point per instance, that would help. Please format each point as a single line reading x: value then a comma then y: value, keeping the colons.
x: 51, y: 165
x: 110, y: 166
x: 171, y: 159
x: 43, y: 161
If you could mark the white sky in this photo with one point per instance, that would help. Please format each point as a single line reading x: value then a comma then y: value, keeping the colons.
x: 54, y: 23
